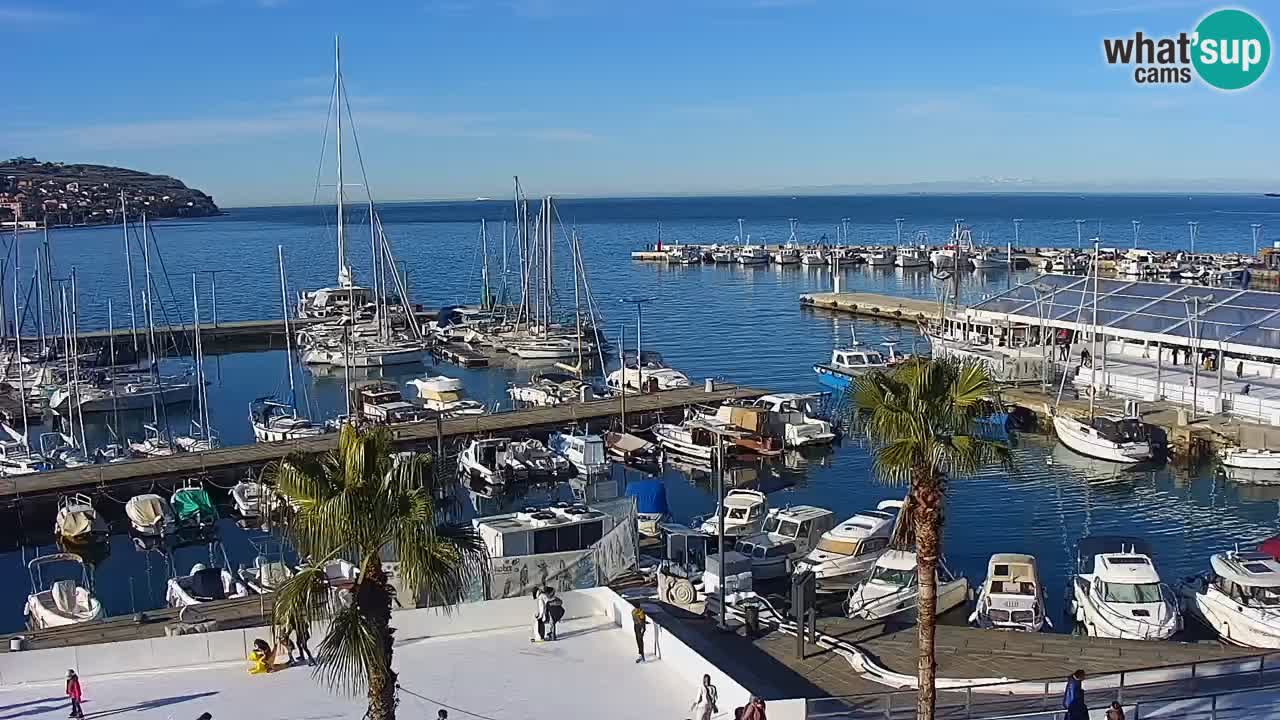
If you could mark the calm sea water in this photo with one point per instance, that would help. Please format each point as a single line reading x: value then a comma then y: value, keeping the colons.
x: 743, y: 324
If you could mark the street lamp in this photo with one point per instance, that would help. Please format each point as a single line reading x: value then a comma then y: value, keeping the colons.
x: 1044, y: 287
x: 1257, y: 233
x: 1080, y: 234
x: 639, y: 303
x: 1194, y: 227
x: 1192, y: 305
x: 1137, y: 225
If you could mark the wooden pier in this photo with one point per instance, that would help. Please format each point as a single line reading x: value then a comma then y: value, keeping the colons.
x: 231, y: 463
x: 880, y: 307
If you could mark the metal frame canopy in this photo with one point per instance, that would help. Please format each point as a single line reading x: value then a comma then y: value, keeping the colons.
x: 1239, y: 321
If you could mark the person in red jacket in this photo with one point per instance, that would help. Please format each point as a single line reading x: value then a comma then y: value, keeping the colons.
x: 73, y: 692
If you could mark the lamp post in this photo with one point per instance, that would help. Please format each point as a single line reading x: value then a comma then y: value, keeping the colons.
x: 639, y: 303
x: 1080, y: 234
x: 1043, y: 287
x: 1137, y: 225
x: 1192, y: 305
x: 1257, y: 234
x: 1194, y: 227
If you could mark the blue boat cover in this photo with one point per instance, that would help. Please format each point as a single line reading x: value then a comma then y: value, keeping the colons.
x: 650, y: 495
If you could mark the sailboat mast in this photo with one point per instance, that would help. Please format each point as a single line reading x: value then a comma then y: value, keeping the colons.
x: 17, y: 336
x: 485, y: 302
x: 128, y: 269
x: 40, y: 291
x: 198, y: 349
x: 115, y: 399
x: 376, y: 257
x: 150, y: 320
x: 288, y: 335
x: 577, y: 299
x: 337, y: 89
x: 75, y: 351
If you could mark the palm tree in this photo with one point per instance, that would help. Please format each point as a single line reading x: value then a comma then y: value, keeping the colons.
x: 357, y: 503
x: 921, y: 418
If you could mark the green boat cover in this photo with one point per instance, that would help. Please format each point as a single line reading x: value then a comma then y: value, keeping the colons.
x: 194, y: 504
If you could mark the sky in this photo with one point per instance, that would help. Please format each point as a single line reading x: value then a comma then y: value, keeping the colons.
x: 451, y: 98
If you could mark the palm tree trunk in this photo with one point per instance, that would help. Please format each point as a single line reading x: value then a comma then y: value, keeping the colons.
x: 374, y: 596
x: 927, y: 498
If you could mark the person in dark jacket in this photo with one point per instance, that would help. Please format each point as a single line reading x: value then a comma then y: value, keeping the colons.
x: 1115, y: 712
x: 1073, y: 698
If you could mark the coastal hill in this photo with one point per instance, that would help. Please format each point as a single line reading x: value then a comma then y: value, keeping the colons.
x: 74, y: 194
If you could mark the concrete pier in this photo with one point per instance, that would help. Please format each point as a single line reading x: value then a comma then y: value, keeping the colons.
x: 880, y: 307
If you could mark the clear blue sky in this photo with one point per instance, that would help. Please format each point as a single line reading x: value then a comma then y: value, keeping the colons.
x: 599, y: 97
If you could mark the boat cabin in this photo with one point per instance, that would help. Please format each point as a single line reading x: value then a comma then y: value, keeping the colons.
x: 383, y: 402
x: 788, y: 534
x: 1012, y: 596
x: 1120, y: 429
x: 743, y: 510
x: 532, y: 531
x: 863, y: 536
x: 334, y: 301
x: 1249, y: 578
x: 857, y: 359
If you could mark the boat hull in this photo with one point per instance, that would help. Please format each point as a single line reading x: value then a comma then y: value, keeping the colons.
x: 1077, y: 436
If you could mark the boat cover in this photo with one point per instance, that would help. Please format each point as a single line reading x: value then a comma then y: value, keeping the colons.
x: 627, y: 443
x: 74, y: 522
x: 145, y: 510
x: 193, y: 502
x: 273, y: 574
x: 206, y: 584
x: 650, y: 495
x: 1271, y: 547
x: 64, y: 595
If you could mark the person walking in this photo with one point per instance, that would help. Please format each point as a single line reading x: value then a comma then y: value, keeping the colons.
x: 442, y: 715
x: 1073, y: 698
x: 301, y: 636
x: 555, y: 611
x: 639, y: 620
x: 74, y: 692
x: 706, y: 702
x: 539, y: 616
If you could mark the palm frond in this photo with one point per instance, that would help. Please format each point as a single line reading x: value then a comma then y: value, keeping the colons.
x: 303, y: 598
x: 350, y: 650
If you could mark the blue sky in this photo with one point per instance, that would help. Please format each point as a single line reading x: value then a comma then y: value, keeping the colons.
x: 603, y: 97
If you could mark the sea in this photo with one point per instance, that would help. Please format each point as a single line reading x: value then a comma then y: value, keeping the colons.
x: 734, y: 323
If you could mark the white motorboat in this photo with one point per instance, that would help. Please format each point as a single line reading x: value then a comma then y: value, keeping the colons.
x: 786, y: 255
x: 694, y: 438
x: 723, y: 254
x: 788, y: 534
x: 645, y: 373
x: 254, y: 499
x: 124, y: 397
x: 796, y: 415
x: 948, y: 258
x: 752, y: 254
x: 584, y: 452
x: 814, y: 256
x: 684, y: 255
x: 155, y: 443
x: 630, y: 449
x: 1238, y: 598
x: 77, y: 521
x: 911, y: 257
x: 547, y: 349
x: 275, y: 421
x: 443, y: 395
x: 743, y: 510
x: 382, y: 402
x: 1117, y: 593
x: 203, y: 584
x: 1117, y: 438
x: 1250, y: 458
x: 551, y: 389
x: 265, y: 576
x: 197, y: 442
x: 17, y: 458
x: 880, y: 257
x: 377, y: 354
x: 1012, y: 596
x: 62, y: 601
x: 849, y: 549
x: 848, y: 363
x: 989, y: 259
x: 491, y: 460
x: 891, y: 590
x: 537, y: 459
x: 150, y: 515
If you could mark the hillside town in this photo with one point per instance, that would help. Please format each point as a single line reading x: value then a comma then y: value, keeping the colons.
x: 34, y: 193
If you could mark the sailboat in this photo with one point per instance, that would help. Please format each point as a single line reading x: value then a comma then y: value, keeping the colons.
x: 157, y: 441
x: 202, y: 437
x: 1120, y: 438
x: 272, y: 420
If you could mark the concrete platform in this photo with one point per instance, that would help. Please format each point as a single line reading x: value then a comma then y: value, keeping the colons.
x: 883, y: 307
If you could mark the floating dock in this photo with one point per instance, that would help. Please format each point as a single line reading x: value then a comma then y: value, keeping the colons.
x: 880, y: 307
x: 232, y: 462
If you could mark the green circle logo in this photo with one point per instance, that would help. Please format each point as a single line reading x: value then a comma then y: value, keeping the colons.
x: 1232, y: 49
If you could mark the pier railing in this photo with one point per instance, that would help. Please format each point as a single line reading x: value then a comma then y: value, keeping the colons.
x: 1043, y: 698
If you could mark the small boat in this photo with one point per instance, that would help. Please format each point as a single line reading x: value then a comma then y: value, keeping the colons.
x: 254, y: 499
x: 63, y: 601
x: 911, y: 257
x: 989, y: 259
x: 17, y: 458
x: 697, y: 438
x: 1012, y: 597
x: 192, y: 506
x: 752, y: 254
x: 1250, y: 458
x: 491, y: 460
x: 584, y: 452
x: 204, y: 584
x: 786, y: 255
x: 444, y: 395
x: 382, y: 402
x: 651, y: 504
x: 814, y: 256
x: 552, y: 389
x: 848, y: 363
x: 1238, y: 598
x: 849, y: 549
x: 155, y: 443
x: 631, y: 450
x: 537, y: 459
x: 788, y: 534
x: 743, y: 511
x: 880, y: 257
x: 892, y: 590
x: 684, y: 255
x: 77, y: 522
x: 377, y: 354
x: 150, y: 516
x: 274, y: 421
x: 265, y: 576
x: 722, y: 254
x: 1117, y: 593
x: 796, y: 414
x: 644, y: 373
x: 1116, y: 438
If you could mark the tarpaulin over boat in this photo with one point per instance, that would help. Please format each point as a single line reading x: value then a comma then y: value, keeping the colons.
x: 650, y: 495
x: 193, y: 503
x: 74, y: 522
x: 146, y: 510
x: 206, y: 584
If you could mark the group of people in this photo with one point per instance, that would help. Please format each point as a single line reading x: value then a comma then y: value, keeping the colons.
x: 295, y: 634
x: 548, y: 613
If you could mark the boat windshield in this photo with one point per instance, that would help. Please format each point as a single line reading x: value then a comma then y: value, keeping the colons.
x: 1261, y: 596
x: 838, y: 547
x: 790, y: 528
x: 1131, y: 592
x: 737, y: 513
x: 893, y: 576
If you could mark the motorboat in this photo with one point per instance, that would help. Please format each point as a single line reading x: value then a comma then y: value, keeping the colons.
x: 880, y: 257
x: 787, y: 535
x: 698, y: 438
x: 684, y: 255
x: 274, y: 421
x: 1137, y: 263
x: 193, y: 507
x: 155, y: 443
x: 537, y: 459
x: 786, y: 255
x: 150, y: 516
x: 381, y: 402
x: 644, y: 373
x: 1250, y: 458
x: 17, y: 458
x: 380, y: 353
x: 651, y: 504
x: 335, y: 302
x: 814, y: 256
x: 265, y: 576
x: 892, y: 589
x: 747, y: 430
x: 911, y: 257
x: 203, y: 584
x: 1117, y: 593
x: 630, y: 449
x: 848, y: 363
x: 552, y: 389
x: 955, y: 254
x: 62, y: 451
x: 795, y: 415
x: 989, y: 259
x: 584, y: 452
x: 62, y: 601
x: 743, y: 510
x: 723, y: 254
x: 545, y: 349
x: 1116, y: 438
x: 78, y: 522
x: 1238, y: 598
x: 254, y: 499
x: 849, y: 549
x: 1012, y: 596
x: 139, y: 394
x: 443, y: 395
x: 752, y: 254
x: 491, y: 460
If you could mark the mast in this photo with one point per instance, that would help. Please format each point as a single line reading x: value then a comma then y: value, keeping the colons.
x: 198, y: 350
x: 40, y: 291
x: 128, y: 269
x: 17, y: 336
x: 115, y: 399
x: 374, y: 256
x: 337, y: 89
x: 75, y: 351
x: 288, y: 335
x: 485, y: 302
x: 150, y: 320
x: 577, y: 299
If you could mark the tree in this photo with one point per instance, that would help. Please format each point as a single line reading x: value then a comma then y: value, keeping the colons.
x: 357, y: 503
x: 923, y: 421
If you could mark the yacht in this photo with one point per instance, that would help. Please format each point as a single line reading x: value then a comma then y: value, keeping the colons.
x: 698, y: 438
x: 1116, y: 438
x: 551, y: 348
x: 645, y: 373
x: 788, y: 534
x: 752, y: 254
x: 491, y: 460
x: 584, y: 452
x: 1250, y: 458
x: 743, y: 510
x: 814, y: 256
x: 891, y: 590
x: 380, y: 353
x: 550, y: 390
x: 275, y: 421
x: 537, y: 459
x: 1238, y: 598
x: 337, y: 301
x: 1117, y: 593
x: 128, y: 396
x: 203, y: 584
x: 849, y: 549
x: 78, y: 522
x: 62, y: 601
x: 796, y: 413
x: 911, y: 257
x: 880, y: 257
x: 1012, y: 596
x: 150, y: 516
x: 849, y: 362
x: 444, y: 395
